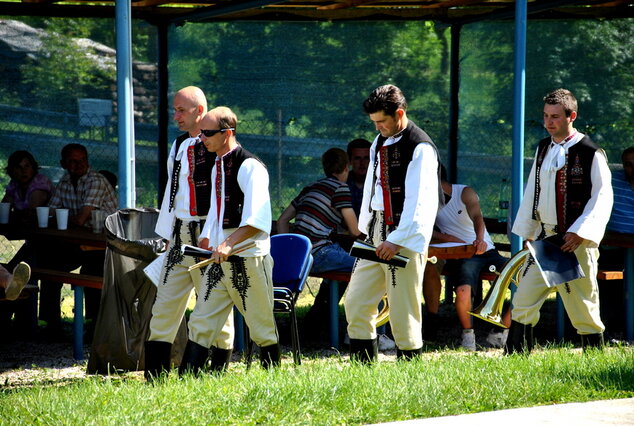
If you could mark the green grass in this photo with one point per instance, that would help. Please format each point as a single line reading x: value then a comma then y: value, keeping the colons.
x: 331, y: 390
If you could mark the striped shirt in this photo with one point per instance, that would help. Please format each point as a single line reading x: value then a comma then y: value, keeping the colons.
x: 622, y: 218
x: 318, y: 210
x: 93, y: 189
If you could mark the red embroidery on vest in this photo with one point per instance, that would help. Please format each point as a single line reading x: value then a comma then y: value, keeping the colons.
x: 190, y: 180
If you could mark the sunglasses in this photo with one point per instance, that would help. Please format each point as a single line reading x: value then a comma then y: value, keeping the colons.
x: 210, y: 133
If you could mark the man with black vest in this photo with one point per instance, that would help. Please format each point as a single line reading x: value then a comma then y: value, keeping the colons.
x: 183, y: 210
x: 400, y: 200
x: 568, y: 193
x: 237, y: 231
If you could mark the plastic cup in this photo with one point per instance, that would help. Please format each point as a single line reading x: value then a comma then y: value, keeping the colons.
x: 42, y: 216
x: 62, y: 219
x: 5, y: 209
x: 98, y: 218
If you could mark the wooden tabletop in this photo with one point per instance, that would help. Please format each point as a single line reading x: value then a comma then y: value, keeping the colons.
x: 76, y: 235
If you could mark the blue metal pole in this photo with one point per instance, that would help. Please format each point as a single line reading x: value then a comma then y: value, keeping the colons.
x: 125, y: 110
x: 519, y: 94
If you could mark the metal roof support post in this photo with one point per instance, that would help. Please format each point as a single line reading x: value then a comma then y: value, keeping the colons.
x: 454, y: 106
x: 519, y: 94
x: 163, y: 106
x: 125, y: 104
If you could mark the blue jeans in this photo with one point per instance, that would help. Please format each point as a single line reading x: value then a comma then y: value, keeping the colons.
x: 331, y: 257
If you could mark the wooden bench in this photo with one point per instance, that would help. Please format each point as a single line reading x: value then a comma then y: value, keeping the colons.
x: 78, y: 281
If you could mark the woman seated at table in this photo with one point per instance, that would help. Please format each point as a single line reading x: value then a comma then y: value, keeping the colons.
x: 28, y: 188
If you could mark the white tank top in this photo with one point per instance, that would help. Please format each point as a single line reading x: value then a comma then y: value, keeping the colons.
x: 453, y: 219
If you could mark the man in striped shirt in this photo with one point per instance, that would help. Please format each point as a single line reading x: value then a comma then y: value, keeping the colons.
x: 321, y: 209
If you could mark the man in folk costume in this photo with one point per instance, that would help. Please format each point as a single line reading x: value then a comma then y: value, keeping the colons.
x: 183, y: 210
x: 569, y: 193
x: 400, y: 200
x: 239, y: 217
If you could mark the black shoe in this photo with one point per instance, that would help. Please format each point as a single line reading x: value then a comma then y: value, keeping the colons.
x: 194, y: 359
x: 270, y: 356
x: 364, y: 351
x: 220, y: 359
x: 520, y: 339
x: 157, y: 359
x: 592, y: 341
x: 407, y: 355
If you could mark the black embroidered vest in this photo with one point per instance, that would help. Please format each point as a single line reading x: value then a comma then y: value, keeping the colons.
x: 399, y: 156
x: 573, y: 182
x: 201, y: 162
x: 234, y: 197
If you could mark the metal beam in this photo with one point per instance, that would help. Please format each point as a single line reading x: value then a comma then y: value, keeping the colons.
x: 215, y: 11
x: 125, y: 104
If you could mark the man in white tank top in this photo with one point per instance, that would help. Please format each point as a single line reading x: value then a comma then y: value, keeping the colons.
x: 461, y: 221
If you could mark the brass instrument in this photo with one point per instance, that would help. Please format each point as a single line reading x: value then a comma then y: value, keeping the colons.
x: 491, y: 307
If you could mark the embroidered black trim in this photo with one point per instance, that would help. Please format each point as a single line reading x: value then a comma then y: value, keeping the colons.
x: 174, y: 256
x: 214, y: 275
x: 393, y: 274
x: 370, y: 237
x: 240, y: 279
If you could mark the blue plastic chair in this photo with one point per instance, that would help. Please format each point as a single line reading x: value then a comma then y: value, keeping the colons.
x: 292, y: 263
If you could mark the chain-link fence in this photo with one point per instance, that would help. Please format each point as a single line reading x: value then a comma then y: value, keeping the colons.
x: 297, y: 89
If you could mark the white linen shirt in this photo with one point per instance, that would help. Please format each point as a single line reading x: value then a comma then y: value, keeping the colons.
x: 253, y: 180
x: 592, y: 222
x: 421, y: 198
x: 165, y: 222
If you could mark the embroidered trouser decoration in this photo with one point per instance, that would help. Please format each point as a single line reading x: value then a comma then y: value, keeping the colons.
x: 240, y: 279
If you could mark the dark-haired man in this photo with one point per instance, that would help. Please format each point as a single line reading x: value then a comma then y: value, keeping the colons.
x: 400, y: 200
x: 359, y: 157
x: 81, y: 190
x: 568, y: 192
x: 319, y: 210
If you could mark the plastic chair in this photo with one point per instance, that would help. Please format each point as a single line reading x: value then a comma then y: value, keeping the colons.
x: 292, y: 263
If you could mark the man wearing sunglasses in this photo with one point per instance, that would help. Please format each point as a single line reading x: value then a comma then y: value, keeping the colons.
x: 183, y: 210
x: 239, y: 221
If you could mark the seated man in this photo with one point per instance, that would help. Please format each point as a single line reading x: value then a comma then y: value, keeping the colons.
x: 319, y: 210
x: 461, y: 221
x: 13, y: 283
x: 359, y: 156
x: 81, y: 190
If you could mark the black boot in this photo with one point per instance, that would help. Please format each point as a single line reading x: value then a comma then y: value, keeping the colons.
x: 270, y: 356
x: 194, y: 358
x: 157, y: 359
x: 592, y: 341
x: 364, y: 351
x: 220, y: 359
x: 520, y: 339
x: 407, y: 355
x: 430, y: 326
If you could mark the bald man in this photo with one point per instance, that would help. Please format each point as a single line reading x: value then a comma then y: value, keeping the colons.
x: 183, y: 211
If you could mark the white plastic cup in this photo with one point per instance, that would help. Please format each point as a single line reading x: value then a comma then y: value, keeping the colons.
x: 5, y: 209
x: 62, y: 219
x: 98, y: 218
x: 42, y: 216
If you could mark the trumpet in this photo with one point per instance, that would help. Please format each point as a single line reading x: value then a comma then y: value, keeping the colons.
x: 490, y: 309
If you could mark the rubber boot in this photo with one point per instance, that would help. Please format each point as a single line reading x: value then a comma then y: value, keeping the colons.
x: 220, y: 359
x: 194, y: 359
x: 592, y: 341
x: 157, y: 359
x: 364, y: 351
x: 270, y: 356
x: 520, y: 339
x: 407, y: 355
